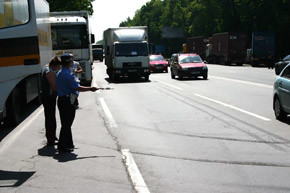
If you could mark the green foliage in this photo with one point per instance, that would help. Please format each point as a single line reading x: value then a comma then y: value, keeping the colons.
x: 206, y: 17
x: 71, y: 5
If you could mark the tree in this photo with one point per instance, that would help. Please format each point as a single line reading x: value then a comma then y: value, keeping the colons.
x: 206, y: 17
x: 71, y: 5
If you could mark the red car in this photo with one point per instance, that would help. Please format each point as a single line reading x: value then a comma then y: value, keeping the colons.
x: 158, y: 63
x: 188, y: 65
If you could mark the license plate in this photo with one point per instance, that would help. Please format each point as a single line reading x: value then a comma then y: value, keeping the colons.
x: 158, y: 68
x: 132, y: 70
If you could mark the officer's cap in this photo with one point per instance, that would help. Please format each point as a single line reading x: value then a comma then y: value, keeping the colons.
x: 66, y: 57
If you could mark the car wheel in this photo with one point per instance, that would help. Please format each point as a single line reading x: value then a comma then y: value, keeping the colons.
x: 204, y: 76
x: 279, y: 112
x: 172, y: 75
x: 277, y: 70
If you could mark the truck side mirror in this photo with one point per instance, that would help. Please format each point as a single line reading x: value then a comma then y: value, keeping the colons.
x: 92, y: 38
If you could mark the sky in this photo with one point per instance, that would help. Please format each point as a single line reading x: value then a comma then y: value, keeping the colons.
x: 110, y: 13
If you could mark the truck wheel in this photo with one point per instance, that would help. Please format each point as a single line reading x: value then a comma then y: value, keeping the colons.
x: 279, y: 112
x: 146, y: 77
x: 13, y: 108
x: 253, y: 63
x: 115, y: 78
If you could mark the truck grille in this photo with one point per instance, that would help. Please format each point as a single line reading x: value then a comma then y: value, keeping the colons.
x: 131, y: 64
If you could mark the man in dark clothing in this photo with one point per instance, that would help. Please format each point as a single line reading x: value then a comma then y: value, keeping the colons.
x: 48, y: 97
x: 67, y: 88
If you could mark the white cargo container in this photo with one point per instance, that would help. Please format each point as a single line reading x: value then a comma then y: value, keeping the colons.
x: 70, y: 33
x: 126, y: 52
x: 25, y: 47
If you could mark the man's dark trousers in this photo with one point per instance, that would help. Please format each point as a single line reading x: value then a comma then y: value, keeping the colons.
x: 67, y: 115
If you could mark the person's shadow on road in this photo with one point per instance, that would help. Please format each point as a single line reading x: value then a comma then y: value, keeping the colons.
x: 51, y: 151
x: 48, y: 151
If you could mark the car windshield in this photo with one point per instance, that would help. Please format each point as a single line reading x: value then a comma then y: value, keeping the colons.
x: 189, y: 59
x: 131, y: 49
x: 69, y: 37
x: 156, y: 58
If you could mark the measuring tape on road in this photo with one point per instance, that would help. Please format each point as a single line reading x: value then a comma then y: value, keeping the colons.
x: 106, y: 88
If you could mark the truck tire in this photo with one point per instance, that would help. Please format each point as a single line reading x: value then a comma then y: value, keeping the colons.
x: 146, y: 77
x: 253, y: 63
x: 13, y: 108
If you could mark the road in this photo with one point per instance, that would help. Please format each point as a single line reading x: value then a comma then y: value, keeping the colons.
x: 163, y: 135
x: 218, y: 135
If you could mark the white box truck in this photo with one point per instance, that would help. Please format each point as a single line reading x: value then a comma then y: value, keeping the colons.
x: 25, y: 47
x: 70, y: 33
x: 126, y: 52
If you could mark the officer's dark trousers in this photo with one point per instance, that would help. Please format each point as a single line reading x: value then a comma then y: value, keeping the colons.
x: 67, y: 115
x: 49, y: 104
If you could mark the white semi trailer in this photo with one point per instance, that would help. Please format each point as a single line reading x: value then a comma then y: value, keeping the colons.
x: 126, y: 52
x: 25, y: 47
x: 70, y: 33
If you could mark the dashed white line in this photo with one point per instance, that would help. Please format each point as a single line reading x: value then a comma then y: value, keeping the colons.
x: 132, y: 169
x: 170, y: 85
x: 233, y: 107
x: 108, y: 113
x: 135, y: 175
x: 244, y: 82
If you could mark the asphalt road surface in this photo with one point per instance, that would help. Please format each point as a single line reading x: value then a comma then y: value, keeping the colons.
x: 215, y: 135
x: 164, y: 135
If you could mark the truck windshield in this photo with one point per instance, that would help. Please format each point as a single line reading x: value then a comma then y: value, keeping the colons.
x: 132, y: 49
x: 69, y: 37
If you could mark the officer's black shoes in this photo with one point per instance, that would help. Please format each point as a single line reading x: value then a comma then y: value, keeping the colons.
x: 66, y: 149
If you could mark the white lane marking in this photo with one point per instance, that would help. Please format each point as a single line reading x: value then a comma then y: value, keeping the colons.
x: 176, y: 87
x: 6, y: 143
x: 108, y: 113
x: 135, y: 175
x: 244, y: 82
x: 233, y: 107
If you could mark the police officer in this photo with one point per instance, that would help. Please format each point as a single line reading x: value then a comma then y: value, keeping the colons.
x: 67, y: 88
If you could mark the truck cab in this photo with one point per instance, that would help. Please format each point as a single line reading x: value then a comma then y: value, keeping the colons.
x: 70, y: 34
x: 126, y: 52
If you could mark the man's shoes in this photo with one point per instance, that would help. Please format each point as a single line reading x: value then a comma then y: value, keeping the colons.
x: 65, y: 149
